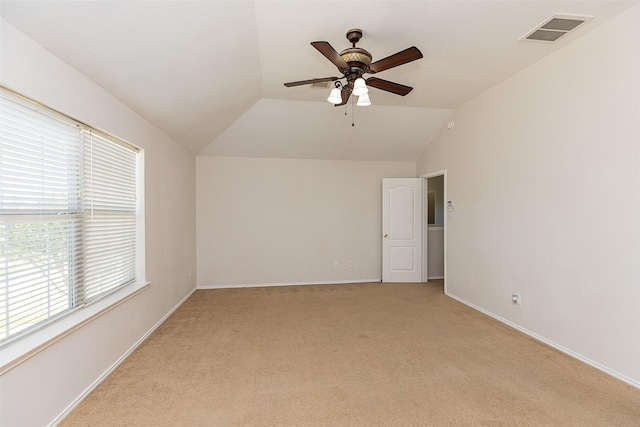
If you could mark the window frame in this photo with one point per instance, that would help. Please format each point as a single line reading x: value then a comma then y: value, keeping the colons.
x: 24, y: 345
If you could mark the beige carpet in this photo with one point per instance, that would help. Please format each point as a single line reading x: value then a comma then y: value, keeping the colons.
x: 349, y: 355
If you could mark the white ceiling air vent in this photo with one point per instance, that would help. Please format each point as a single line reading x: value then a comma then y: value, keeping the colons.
x: 321, y: 85
x: 554, y: 27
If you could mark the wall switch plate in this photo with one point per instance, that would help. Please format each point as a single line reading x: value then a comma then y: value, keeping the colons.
x: 335, y: 264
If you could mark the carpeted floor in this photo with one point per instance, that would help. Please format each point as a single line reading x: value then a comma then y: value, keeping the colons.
x: 349, y: 355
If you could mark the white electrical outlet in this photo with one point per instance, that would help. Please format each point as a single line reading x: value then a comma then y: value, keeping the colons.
x: 350, y: 264
x: 516, y: 299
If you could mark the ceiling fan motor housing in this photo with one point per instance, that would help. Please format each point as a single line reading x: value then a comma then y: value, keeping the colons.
x: 358, y: 60
x: 356, y: 57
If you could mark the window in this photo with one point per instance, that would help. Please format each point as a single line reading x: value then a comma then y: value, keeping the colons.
x: 68, y: 215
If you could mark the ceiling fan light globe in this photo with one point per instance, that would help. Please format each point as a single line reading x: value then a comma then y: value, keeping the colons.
x: 335, y: 97
x: 363, y: 100
x: 359, y: 87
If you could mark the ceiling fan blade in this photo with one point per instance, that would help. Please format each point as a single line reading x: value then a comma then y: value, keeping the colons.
x: 346, y: 93
x: 400, y: 58
x: 308, y: 82
x: 392, y: 87
x: 330, y: 53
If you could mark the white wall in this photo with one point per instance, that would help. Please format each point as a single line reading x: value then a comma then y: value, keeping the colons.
x: 37, y: 391
x: 265, y: 221
x: 544, y: 170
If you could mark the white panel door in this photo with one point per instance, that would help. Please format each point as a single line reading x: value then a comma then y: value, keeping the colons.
x: 402, y: 229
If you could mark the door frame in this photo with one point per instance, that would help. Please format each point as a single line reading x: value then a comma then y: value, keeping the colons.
x: 425, y: 226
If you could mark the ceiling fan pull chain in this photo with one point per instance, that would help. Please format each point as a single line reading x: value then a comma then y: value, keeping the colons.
x: 353, y: 113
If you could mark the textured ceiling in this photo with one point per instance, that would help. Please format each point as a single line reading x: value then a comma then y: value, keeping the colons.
x: 210, y: 73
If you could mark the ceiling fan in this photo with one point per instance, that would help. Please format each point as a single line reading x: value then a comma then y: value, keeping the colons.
x: 353, y: 62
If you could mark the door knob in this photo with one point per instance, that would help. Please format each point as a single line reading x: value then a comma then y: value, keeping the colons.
x: 385, y: 235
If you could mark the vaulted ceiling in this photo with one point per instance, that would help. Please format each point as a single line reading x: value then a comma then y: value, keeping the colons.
x: 210, y: 73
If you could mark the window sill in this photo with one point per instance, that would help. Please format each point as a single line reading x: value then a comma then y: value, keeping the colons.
x: 22, y: 348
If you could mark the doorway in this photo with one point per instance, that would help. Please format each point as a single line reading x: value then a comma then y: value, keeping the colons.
x: 435, y: 227
x: 405, y: 229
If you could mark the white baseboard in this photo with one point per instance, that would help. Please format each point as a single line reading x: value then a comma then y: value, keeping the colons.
x: 117, y: 363
x: 262, y: 285
x: 558, y: 347
x: 435, y: 277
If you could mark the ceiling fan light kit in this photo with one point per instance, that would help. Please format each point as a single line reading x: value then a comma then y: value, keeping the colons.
x: 363, y: 100
x: 359, y: 87
x: 334, y: 96
x: 353, y: 63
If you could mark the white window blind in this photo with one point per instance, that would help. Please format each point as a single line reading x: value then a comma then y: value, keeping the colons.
x: 109, y: 215
x: 68, y: 215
